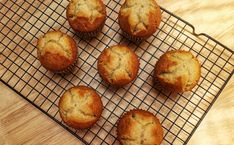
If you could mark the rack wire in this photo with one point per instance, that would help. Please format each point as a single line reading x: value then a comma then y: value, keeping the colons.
x: 22, y: 22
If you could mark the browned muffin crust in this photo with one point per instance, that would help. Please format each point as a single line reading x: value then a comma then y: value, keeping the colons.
x: 118, y: 65
x: 87, y: 17
x: 178, y: 70
x: 139, y: 127
x: 139, y: 19
x: 80, y: 107
x: 57, y: 51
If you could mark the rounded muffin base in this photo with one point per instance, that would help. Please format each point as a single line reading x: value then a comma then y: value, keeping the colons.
x: 133, y: 38
x: 91, y: 34
x: 68, y: 69
x: 64, y: 71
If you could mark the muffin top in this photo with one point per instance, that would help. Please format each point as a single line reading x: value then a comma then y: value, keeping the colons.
x: 140, y: 17
x: 178, y: 70
x: 139, y: 127
x: 118, y: 65
x: 56, y: 51
x: 86, y: 15
x: 80, y: 107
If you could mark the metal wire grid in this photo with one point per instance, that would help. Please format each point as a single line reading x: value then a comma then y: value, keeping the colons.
x: 21, y: 22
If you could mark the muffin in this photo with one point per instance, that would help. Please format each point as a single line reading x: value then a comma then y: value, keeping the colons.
x: 80, y: 107
x: 139, y: 127
x: 139, y: 19
x: 178, y: 70
x: 86, y: 17
x: 57, y: 52
x: 118, y: 65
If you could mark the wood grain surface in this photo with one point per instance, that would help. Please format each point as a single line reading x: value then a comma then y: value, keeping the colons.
x: 21, y: 123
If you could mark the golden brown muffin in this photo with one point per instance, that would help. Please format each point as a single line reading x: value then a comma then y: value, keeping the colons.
x: 178, y: 70
x: 139, y: 19
x: 80, y: 107
x: 86, y: 17
x: 57, y: 51
x: 118, y: 65
x: 139, y: 127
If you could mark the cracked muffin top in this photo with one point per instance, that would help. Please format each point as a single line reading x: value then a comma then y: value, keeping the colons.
x: 80, y: 107
x: 86, y: 15
x: 139, y: 127
x: 118, y: 65
x: 139, y: 18
x: 56, y: 51
x: 178, y: 70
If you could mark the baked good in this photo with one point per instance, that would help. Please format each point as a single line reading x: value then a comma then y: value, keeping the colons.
x: 86, y: 17
x: 80, y: 107
x: 139, y: 19
x: 118, y: 65
x: 178, y: 70
x: 57, y: 51
x: 139, y: 127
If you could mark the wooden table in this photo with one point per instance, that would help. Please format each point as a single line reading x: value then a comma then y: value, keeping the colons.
x: 21, y: 123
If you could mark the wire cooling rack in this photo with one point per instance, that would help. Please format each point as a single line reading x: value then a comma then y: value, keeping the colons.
x: 22, y: 22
